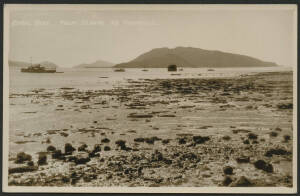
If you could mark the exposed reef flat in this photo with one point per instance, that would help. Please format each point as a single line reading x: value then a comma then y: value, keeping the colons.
x: 233, y: 131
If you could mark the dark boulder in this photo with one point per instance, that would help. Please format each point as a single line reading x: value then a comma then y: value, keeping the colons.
x: 200, y: 140
x: 228, y: 170
x: 262, y: 165
x: 278, y: 151
x: 241, y: 182
x: 51, y: 148
x: 227, y: 180
x: 246, y: 142
x: 30, y: 163
x: 157, y: 156
x: 82, y: 147
x: 182, y: 141
x: 107, y: 148
x: 42, y: 160
x: 105, y: 140
x: 226, y: 138
x: 22, y: 169
x: 190, y: 157
x: 285, y: 106
x: 69, y: 149
x: 139, y: 139
x: 286, y: 138
x: 273, y: 134
x: 165, y: 141
x: 82, y: 159
x: 121, y: 144
x: 22, y: 157
x: 97, y: 148
x: 243, y: 159
x: 57, y: 154
x: 252, y: 136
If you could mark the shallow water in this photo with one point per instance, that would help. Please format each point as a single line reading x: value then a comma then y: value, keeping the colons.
x: 86, y: 79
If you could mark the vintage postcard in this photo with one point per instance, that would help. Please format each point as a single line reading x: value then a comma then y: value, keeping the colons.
x: 150, y: 98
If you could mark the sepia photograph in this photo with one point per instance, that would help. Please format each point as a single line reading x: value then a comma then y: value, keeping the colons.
x: 162, y: 98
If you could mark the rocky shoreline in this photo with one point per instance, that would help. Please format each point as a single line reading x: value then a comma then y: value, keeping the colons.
x: 164, y: 132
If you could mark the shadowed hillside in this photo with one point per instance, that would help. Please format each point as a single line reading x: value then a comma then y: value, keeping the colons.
x: 193, y: 57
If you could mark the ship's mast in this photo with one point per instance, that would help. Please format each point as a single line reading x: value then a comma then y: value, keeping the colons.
x: 31, y: 61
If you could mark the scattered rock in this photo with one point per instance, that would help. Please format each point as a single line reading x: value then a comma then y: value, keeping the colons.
x: 241, y: 182
x: 95, y: 151
x: 278, y: 151
x: 182, y: 141
x: 226, y: 137
x: 165, y: 141
x: 82, y: 147
x: 243, y: 160
x: 107, y: 148
x: 64, y: 134
x: 150, y: 140
x: 82, y: 159
x: 51, y: 148
x: 262, y: 165
x: 273, y: 134
x: 228, y: 170
x: 22, y: 157
x: 246, y: 142
x: 286, y: 138
x: 50, y: 132
x: 121, y: 144
x: 105, y: 140
x: 167, y: 115
x: 227, y: 180
x: 139, y: 139
x: 134, y: 115
x: 278, y: 129
x: 190, y: 157
x: 22, y: 169
x: 57, y: 154
x: 200, y: 140
x: 285, y: 106
x: 252, y: 136
x: 69, y: 149
x: 42, y: 160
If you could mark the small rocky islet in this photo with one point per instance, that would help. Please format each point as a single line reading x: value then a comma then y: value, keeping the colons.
x: 164, y: 132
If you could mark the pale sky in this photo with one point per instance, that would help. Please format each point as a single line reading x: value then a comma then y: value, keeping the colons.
x: 70, y: 37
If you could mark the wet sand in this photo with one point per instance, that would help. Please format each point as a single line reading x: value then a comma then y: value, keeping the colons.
x: 234, y: 131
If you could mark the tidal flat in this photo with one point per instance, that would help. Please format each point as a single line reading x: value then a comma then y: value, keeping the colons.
x: 189, y: 132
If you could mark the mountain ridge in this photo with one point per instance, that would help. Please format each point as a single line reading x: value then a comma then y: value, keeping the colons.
x: 192, y: 57
x: 96, y: 64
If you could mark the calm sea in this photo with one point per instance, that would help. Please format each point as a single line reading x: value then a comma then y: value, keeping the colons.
x: 106, y: 78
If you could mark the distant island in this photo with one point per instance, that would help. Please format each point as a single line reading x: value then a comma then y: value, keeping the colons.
x: 193, y: 57
x: 97, y: 64
x: 20, y: 64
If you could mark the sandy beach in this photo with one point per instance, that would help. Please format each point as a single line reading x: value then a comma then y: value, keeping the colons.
x: 219, y: 131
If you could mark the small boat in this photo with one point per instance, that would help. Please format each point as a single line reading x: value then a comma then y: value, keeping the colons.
x: 145, y: 70
x: 38, y: 69
x: 181, y: 69
x: 119, y: 70
x: 172, y: 68
x: 210, y: 70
